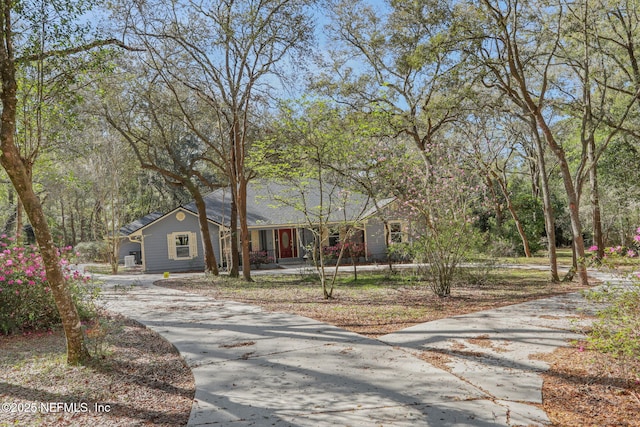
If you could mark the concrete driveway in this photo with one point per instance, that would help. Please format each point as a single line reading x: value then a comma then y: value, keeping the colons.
x: 255, y: 368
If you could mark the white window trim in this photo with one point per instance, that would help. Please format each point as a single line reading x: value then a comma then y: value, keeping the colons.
x: 396, y: 233
x: 172, y: 248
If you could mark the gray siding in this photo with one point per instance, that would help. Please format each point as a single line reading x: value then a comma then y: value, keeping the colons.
x: 307, y: 240
x: 127, y: 246
x: 156, y: 251
x: 376, y: 247
x: 271, y: 244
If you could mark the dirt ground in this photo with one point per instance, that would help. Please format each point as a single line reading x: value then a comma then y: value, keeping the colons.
x: 137, y: 379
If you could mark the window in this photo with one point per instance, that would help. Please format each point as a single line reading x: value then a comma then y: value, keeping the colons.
x: 258, y: 241
x: 395, y: 232
x: 182, y: 245
x: 334, y: 236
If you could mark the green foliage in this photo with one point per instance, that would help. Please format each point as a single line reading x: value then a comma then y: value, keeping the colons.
x: 506, y: 240
x: 26, y: 301
x: 92, y: 251
x: 617, y: 328
x: 499, y: 246
x: 402, y: 252
x: 442, y: 251
x: 530, y: 214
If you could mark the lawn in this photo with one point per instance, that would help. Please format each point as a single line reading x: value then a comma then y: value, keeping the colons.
x: 378, y: 303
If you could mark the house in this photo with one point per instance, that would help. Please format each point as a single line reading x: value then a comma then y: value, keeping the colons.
x: 130, y: 244
x: 282, y: 220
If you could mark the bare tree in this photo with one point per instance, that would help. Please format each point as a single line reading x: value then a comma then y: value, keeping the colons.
x: 154, y: 127
x: 226, y: 53
x: 518, y: 58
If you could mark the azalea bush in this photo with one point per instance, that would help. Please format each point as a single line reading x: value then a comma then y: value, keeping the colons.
x: 616, y: 253
x: 26, y: 302
x: 617, y: 328
x: 354, y: 250
x: 350, y: 250
x: 258, y: 258
x: 331, y: 252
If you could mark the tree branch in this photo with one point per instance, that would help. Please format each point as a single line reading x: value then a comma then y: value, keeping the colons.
x: 77, y: 49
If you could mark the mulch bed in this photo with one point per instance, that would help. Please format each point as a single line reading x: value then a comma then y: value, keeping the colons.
x: 138, y: 379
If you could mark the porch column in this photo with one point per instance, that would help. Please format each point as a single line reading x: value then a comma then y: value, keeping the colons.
x: 276, y: 245
x: 294, y: 240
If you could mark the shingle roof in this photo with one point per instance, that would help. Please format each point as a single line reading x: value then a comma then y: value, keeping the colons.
x: 273, y: 204
x: 139, y: 223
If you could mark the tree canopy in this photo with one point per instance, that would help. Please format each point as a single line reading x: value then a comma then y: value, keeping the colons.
x: 534, y: 104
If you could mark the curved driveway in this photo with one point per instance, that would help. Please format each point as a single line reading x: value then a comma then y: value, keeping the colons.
x: 256, y: 368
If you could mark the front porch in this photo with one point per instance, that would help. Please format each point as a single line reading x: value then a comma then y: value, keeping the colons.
x: 272, y: 246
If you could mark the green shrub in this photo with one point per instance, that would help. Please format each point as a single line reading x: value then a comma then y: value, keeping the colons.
x: 92, y: 251
x: 617, y: 328
x: 26, y: 302
x: 503, y: 248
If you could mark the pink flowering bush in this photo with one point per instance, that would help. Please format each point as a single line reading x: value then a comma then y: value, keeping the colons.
x: 617, y: 328
x: 257, y: 258
x: 613, y: 253
x: 439, y: 198
x: 353, y: 250
x: 350, y: 250
x: 26, y: 302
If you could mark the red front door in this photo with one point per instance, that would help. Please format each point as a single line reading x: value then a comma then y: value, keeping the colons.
x: 285, y: 239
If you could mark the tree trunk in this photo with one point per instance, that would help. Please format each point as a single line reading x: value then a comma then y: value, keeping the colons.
x: 210, y: 262
x: 236, y: 175
x: 588, y: 135
x: 235, y: 262
x: 76, y: 350
x: 83, y: 223
x: 547, y: 206
x: 62, y: 223
x: 514, y: 214
x: 523, y: 235
x: 244, y: 229
x: 498, y: 205
x: 72, y: 226
x: 18, y: 173
x: 19, y: 224
x: 574, y: 214
x: 598, y: 238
